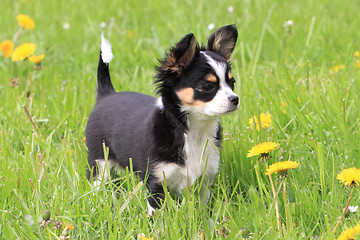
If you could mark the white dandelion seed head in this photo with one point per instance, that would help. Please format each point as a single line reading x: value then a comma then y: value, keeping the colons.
x: 288, y: 23
x: 66, y: 26
x: 103, y: 25
x: 230, y: 9
x: 353, y: 208
x: 211, y: 26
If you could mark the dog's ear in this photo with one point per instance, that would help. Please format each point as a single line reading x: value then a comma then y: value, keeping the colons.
x: 182, y: 55
x: 223, y: 41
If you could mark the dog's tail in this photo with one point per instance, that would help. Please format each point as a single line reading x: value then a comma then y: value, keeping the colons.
x: 105, y: 86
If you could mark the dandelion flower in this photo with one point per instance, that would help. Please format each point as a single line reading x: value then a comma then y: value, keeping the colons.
x: 350, y: 176
x: 265, y: 120
x: 211, y: 26
x: 66, y: 26
x: 357, y: 62
x: 263, y: 149
x: 288, y: 23
x: 353, y: 208
x: 36, y: 59
x: 7, y: 48
x: 130, y: 34
x: 350, y: 233
x: 69, y: 226
x: 253, y: 121
x: 25, y: 21
x: 65, y: 232
x: 143, y: 237
x: 350, y: 210
x: 356, y: 54
x: 146, y: 238
x: 283, y: 106
x: 339, y: 67
x: 23, y: 51
x: 281, y: 167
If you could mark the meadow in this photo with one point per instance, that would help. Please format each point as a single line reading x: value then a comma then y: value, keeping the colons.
x: 295, y: 60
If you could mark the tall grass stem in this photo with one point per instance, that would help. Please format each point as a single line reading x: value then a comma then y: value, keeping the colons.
x: 344, y: 211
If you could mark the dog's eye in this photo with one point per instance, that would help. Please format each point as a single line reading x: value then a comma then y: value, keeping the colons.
x: 208, y: 87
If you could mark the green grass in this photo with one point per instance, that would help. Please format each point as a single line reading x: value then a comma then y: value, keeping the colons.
x: 45, y: 170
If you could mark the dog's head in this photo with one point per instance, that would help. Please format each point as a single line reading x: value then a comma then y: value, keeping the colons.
x: 199, y: 80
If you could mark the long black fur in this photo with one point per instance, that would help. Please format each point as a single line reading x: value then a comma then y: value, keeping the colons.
x: 105, y: 86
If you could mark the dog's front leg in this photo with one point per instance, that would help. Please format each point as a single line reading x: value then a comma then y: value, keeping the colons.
x: 156, y: 197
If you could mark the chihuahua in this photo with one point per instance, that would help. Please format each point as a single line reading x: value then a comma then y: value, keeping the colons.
x: 174, y: 138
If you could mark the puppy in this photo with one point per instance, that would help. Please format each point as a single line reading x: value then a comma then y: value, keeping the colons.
x: 176, y: 136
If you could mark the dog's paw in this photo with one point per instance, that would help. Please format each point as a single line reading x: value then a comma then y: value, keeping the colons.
x: 151, y: 210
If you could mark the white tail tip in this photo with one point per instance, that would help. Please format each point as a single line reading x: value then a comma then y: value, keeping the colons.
x: 106, y: 53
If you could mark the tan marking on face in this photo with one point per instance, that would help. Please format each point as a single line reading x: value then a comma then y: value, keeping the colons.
x: 211, y: 78
x: 230, y: 75
x: 186, y: 96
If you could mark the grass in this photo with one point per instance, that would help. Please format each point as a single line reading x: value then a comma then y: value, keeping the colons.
x: 45, y: 169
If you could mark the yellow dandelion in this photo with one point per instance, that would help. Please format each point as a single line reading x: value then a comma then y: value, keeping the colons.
x: 263, y: 149
x: 357, y: 54
x: 69, y: 226
x: 25, y: 21
x: 281, y: 167
x: 130, y: 34
x: 7, y: 48
x: 65, y: 232
x: 350, y: 233
x: 357, y: 63
x: 23, y: 51
x: 36, y: 59
x: 349, y: 177
x: 283, y: 106
x: 254, y: 122
x: 142, y: 237
x: 339, y: 67
x: 265, y: 121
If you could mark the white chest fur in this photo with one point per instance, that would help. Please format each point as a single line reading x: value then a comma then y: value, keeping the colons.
x: 201, y: 156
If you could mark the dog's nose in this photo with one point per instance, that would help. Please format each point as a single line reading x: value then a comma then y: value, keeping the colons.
x: 234, y: 99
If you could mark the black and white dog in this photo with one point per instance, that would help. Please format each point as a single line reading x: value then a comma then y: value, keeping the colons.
x: 176, y: 135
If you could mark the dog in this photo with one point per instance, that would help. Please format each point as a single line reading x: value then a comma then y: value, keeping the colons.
x: 176, y: 137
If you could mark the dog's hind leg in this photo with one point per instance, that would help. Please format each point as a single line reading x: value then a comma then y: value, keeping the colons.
x: 103, y: 171
x: 204, y: 191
